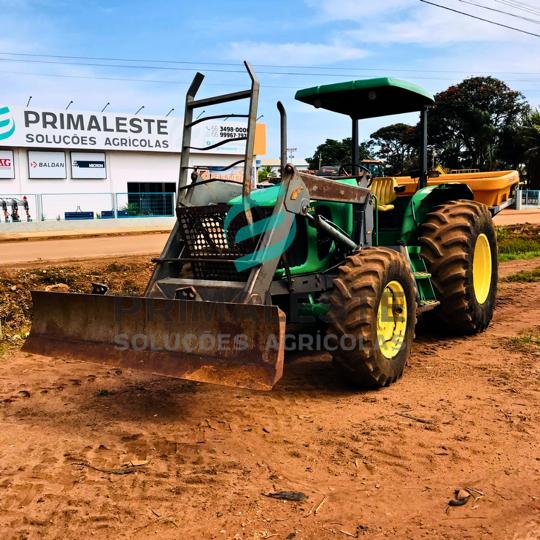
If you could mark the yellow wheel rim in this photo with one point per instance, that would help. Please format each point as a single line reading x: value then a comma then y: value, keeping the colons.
x: 392, y: 319
x: 482, y: 269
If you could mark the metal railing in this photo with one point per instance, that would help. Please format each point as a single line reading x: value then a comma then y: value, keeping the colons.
x: 80, y: 206
x: 74, y: 206
x: 463, y: 171
x: 157, y: 204
x: 530, y: 197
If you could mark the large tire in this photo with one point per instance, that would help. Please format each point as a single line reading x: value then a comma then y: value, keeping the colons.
x: 364, y: 291
x: 459, y: 244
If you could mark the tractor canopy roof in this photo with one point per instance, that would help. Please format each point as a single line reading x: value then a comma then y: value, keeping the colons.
x: 367, y: 98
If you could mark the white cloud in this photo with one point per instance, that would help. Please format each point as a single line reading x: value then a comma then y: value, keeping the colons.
x: 439, y: 48
x: 302, y: 53
x: 429, y: 28
x: 88, y: 91
x: 409, y: 21
x: 53, y: 85
x: 355, y: 10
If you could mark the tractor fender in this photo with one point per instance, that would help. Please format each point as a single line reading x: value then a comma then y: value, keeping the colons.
x: 423, y: 202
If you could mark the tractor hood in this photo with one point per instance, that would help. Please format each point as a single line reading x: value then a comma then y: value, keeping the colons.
x: 267, y: 196
x: 260, y: 197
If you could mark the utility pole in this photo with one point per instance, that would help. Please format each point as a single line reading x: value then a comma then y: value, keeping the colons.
x: 291, y: 151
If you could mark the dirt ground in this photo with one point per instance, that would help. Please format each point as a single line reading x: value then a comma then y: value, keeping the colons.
x: 201, y: 458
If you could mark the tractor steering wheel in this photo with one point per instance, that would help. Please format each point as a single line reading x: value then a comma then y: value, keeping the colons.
x: 342, y: 170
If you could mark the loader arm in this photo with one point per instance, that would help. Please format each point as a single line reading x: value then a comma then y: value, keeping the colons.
x: 198, y: 329
x: 208, y: 312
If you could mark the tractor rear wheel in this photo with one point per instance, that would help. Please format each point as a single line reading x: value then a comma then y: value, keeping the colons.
x: 372, y: 316
x: 459, y: 244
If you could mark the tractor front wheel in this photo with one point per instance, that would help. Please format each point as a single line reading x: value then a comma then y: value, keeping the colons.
x: 459, y: 244
x: 372, y: 316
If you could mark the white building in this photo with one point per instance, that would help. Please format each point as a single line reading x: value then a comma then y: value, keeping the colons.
x: 68, y: 161
x: 275, y: 163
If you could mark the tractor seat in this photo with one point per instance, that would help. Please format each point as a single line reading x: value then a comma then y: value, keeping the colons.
x: 384, y: 189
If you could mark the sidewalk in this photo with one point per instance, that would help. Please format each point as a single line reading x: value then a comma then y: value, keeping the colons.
x: 47, y: 230
x: 55, y: 230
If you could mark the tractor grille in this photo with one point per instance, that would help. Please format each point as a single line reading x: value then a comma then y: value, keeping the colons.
x: 201, y: 228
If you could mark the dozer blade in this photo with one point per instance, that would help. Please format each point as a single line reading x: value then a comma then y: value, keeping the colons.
x: 223, y: 343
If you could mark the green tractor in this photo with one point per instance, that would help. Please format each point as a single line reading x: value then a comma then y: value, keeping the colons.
x: 342, y: 264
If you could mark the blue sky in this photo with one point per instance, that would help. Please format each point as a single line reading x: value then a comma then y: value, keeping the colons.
x: 355, y: 38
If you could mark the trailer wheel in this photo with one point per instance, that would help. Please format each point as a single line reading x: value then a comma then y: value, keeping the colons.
x: 459, y: 244
x: 372, y: 317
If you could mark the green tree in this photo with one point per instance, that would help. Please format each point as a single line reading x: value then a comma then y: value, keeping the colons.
x: 263, y: 173
x: 397, y: 144
x: 471, y: 119
x: 531, y: 134
x: 333, y: 152
x: 520, y: 148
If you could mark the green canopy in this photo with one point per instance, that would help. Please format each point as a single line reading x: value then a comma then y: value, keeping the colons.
x: 367, y: 98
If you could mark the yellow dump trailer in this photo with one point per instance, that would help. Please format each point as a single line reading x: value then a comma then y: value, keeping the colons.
x: 492, y: 188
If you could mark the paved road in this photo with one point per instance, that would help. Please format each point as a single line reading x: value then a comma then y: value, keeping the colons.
x: 81, y: 248
x: 513, y: 217
x: 143, y: 244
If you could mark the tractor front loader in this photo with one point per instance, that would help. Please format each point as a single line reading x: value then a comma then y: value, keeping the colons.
x: 218, y: 325
x: 352, y: 259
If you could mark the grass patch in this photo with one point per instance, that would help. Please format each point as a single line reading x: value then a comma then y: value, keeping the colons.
x: 528, y: 342
x: 518, y: 254
x: 518, y: 242
x: 524, y: 276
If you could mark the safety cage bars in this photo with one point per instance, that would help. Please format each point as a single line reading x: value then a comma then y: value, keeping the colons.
x: 192, y: 104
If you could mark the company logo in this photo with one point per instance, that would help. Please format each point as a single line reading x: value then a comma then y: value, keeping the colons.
x: 45, y: 164
x: 283, y: 239
x: 86, y: 164
x: 7, y: 124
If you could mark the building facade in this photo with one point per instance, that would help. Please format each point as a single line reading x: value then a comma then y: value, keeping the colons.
x: 72, y: 161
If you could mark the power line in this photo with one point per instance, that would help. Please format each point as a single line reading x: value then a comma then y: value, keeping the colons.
x: 236, y: 64
x: 480, y: 18
x: 179, y: 82
x: 525, y: 8
x: 519, y: 5
x: 104, y: 58
x: 123, y: 66
x: 536, y: 21
x: 129, y: 79
x: 170, y: 68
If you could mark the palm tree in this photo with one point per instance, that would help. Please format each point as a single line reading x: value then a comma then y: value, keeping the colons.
x: 264, y: 173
